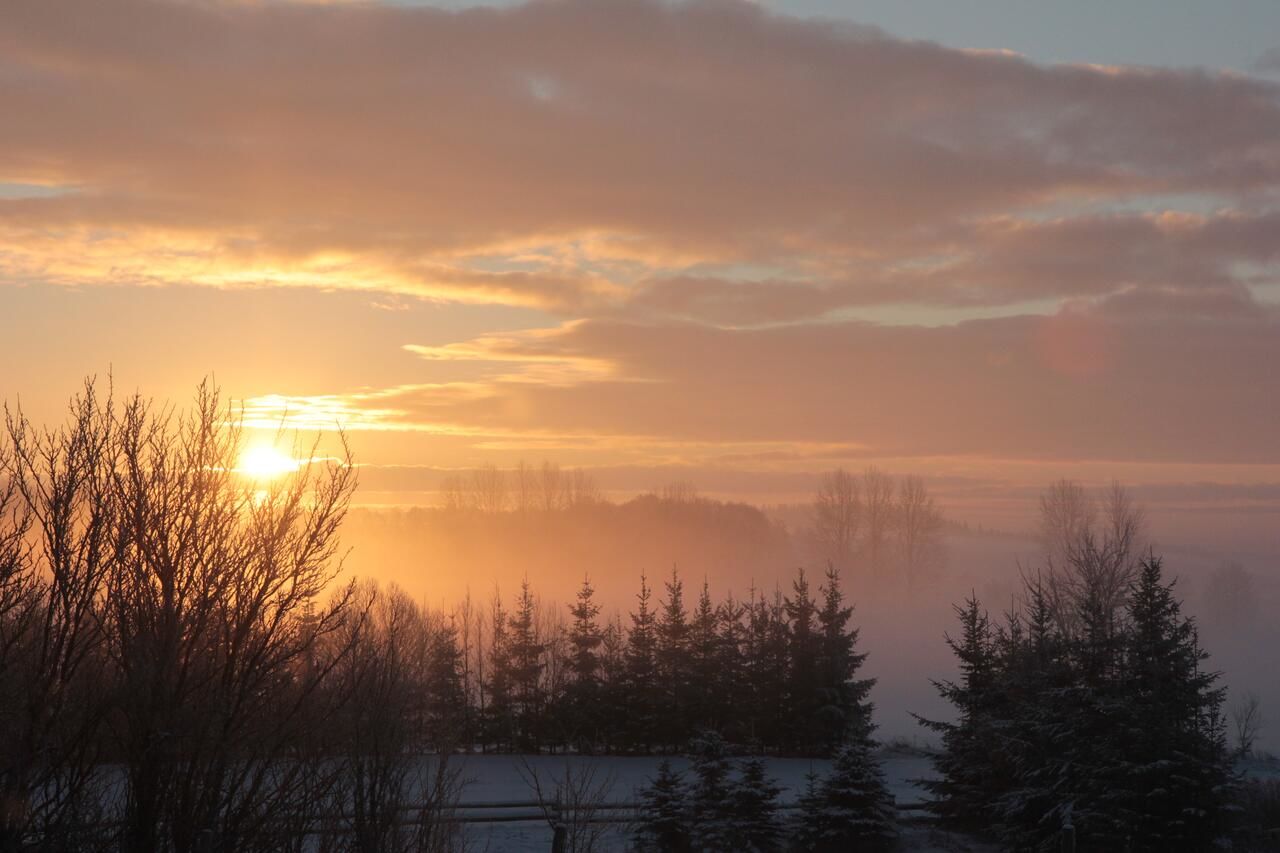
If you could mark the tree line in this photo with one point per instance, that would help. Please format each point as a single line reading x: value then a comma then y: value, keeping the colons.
x: 777, y: 673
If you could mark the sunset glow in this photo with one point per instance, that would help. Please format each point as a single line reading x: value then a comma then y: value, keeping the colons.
x: 264, y: 462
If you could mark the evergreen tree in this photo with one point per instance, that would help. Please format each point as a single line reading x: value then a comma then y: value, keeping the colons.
x: 446, y: 700
x: 803, y: 652
x: 583, y: 694
x: 754, y: 805
x: 1168, y: 785
x: 526, y: 667
x: 843, y: 704
x: 664, y: 825
x: 732, y: 694
x: 673, y: 665
x: 642, y: 673
x: 857, y: 811
x: 613, y: 710
x: 711, y: 816
x: 499, y: 720
x: 964, y: 792
x: 705, y: 678
x: 1109, y: 721
x: 806, y: 825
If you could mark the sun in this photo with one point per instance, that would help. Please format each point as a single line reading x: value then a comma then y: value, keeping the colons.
x: 264, y: 462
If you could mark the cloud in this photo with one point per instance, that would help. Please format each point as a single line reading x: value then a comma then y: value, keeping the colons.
x: 422, y: 151
x: 1092, y: 383
x: 702, y: 197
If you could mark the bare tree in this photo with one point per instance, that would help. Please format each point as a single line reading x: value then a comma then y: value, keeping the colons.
x: 1091, y: 562
x: 453, y: 492
x: 837, y: 516
x: 878, y: 518
x: 58, y: 526
x: 581, y: 489
x: 572, y: 801
x: 391, y: 797
x: 489, y: 491
x: 918, y: 531
x: 524, y: 487
x: 1067, y: 512
x: 213, y: 626
x: 1231, y: 596
x: 550, y: 487
x: 1246, y: 718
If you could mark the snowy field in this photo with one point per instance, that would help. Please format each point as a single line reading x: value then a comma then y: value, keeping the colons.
x: 496, y: 778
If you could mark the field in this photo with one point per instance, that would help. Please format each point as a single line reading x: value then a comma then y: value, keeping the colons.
x: 497, y: 778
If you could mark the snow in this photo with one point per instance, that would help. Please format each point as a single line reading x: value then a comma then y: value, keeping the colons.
x: 497, y: 778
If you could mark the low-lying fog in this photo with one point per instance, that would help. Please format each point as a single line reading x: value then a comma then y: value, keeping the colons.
x: 439, y: 555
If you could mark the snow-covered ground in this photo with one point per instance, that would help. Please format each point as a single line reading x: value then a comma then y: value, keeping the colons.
x: 501, y: 778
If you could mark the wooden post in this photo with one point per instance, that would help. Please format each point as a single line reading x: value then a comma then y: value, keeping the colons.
x: 1069, y: 838
x: 560, y: 838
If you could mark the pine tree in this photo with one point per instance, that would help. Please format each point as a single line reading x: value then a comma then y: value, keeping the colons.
x: 754, y: 805
x: 803, y: 653
x: 673, y: 665
x: 642, y: 673
x: 732, y: 694
x: 499, y: 721
x: 583, y: 694
x: 1174, y: 763
x: 705, y: 678
x: 1109, y: 720
x: 613, y: 708
x: 446, y: 700
x: 843, y: 698
x: 711, y: 818
x: 964, y: 792
x: 857, y: 811
x: 806, y: 825
x: 664, y: 825
x: 526, y: 671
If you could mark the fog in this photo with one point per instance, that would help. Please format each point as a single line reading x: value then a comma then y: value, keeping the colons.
x: 440, y: 555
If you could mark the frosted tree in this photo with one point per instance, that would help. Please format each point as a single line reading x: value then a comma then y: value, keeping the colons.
x: 663, y: 823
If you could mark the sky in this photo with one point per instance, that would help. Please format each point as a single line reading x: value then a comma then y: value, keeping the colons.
x: 994, y: 243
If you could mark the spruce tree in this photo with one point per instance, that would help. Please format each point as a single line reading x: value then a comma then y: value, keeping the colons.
x: 664, y: 825
x: 583, y: 693
x: 711, y: 816
x: 673, y: 665
x: 806, y: 825
x: 499, y: 718
x: 446, y: 701
x: 705, y: 677
x: 642, y: 673
x: 963, y: 792
x: 733, y: 694
x: 754, y: 805
x: 857, y: 811
x: 526, y: 667
x: 1174, y: 763
x: 803, y: 653
x: 843, y: 704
